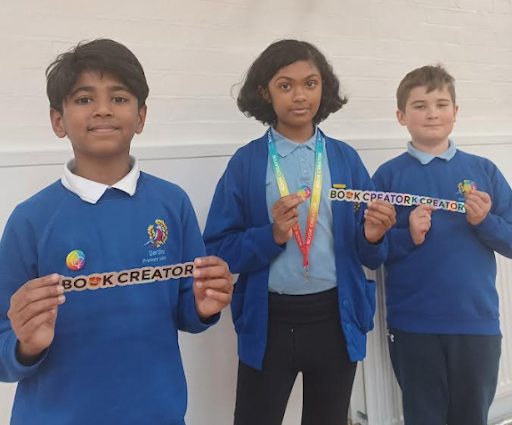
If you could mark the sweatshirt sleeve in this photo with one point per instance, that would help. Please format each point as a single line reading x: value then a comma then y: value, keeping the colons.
x: 193, y: 247
x: 18, y: 265
x: 370, y: 255
x: 495, y: 230
x: 228, y: 234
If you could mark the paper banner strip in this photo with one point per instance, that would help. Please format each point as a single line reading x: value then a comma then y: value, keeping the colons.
x: 404, y: 199
x: 126, y: 277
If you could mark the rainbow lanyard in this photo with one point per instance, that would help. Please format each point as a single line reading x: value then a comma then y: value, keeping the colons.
x: 315, y: 196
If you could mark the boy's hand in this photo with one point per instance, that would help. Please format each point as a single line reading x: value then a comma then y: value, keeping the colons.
x: 285, y: 215
x: 477, y: 204
x: 213, y: 285
x: 420, y: 221
x: 33, y: 313
x: 379, y: 217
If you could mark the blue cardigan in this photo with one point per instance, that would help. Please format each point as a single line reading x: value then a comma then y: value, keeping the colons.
x: 238, y: 230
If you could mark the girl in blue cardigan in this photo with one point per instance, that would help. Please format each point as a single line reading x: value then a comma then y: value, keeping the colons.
x: 302, y: 302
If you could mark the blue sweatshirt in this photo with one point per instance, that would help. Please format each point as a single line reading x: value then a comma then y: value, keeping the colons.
x: 238, y: 230
x: 447, y: 285
x: 115, y: 357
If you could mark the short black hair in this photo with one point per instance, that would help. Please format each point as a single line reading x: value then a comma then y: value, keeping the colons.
x: 278, y: 55
x: 102, y: 55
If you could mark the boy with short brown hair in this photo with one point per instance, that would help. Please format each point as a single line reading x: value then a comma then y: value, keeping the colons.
x: 443, y: 309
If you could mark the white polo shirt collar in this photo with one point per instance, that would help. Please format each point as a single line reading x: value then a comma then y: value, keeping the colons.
x: 91, y: 191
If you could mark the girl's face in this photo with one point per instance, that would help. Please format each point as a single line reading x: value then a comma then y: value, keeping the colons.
x: 295, y: 93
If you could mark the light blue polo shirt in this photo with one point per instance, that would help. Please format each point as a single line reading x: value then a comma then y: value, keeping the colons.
x: 286, y: 274
x: 424, y: 158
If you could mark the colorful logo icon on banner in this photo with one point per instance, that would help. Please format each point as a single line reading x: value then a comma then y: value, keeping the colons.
x: 305, y: 192
x: 75, y: 260
x: 157, y: 234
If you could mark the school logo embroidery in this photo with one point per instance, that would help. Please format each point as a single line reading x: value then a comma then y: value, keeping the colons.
x: 157, y: 234
x: 75, y: 260
x: 464, y: 188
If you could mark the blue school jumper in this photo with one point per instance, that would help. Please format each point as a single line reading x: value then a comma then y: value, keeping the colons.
x: 447, y: 285
x: 115, y: 358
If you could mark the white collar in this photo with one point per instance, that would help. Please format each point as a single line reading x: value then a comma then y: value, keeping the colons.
x: 91, y: 191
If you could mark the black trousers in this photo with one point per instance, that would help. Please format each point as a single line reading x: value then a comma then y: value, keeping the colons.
x: 445, y: 379
x: 305, y: 336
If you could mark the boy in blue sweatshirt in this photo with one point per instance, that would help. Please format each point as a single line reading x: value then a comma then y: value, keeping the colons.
x: 109, y: 235
x: 443, y: 308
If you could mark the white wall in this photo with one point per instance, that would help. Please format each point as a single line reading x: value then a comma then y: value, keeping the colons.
x: 194, y: 52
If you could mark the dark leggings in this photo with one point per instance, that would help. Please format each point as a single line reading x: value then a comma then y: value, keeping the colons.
x: 305, y: 336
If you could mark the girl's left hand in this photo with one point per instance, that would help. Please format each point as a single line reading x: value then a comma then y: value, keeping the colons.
x: 477, y: 204
x: 213, y: 285
x: 379, y: 217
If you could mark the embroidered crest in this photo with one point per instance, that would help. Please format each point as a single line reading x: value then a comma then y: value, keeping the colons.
x: 157, y: 234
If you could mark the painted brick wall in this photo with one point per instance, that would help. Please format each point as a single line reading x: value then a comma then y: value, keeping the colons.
x: 194, y: 51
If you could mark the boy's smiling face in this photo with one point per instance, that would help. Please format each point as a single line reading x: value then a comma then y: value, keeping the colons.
x: 429, y: 118
x: 100, y: 116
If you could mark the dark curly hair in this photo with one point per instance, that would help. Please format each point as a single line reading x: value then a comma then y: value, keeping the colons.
x: 101, y: 55
x: 276, y: 56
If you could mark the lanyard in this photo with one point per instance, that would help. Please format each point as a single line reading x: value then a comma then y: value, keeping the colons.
x: 304, y: 246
